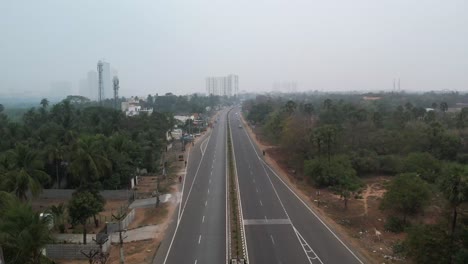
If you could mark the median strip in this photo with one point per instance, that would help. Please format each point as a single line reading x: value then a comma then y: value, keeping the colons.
x: 235, y: 214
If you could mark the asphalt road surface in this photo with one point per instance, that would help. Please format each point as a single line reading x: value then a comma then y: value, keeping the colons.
x: 198, y: 234
x: 279, y: 227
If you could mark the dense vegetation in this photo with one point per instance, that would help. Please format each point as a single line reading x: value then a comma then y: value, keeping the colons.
x: 82, y: 145
x: 334, y: 140
x: 72, y: 146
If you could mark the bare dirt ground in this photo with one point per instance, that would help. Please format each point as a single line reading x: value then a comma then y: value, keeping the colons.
x: 359, y: 225
x: 111, y: 207
x: 144, y: 251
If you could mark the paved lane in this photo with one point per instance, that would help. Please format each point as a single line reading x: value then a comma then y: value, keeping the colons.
x: 279, y: 227
x: 200, y: 234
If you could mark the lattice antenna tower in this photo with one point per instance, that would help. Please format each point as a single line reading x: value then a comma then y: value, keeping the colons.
x: 115, y: 81
x: 100, y: 69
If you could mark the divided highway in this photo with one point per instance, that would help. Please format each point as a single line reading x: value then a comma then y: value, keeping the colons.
x: 279, y: 227
x: 200, y: 234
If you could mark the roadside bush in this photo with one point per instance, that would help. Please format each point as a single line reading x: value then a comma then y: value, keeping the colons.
x: 324, y: 173
x: 428, y: 244
x: 424, y: 164
x: 398, y: 248
x: 394, y: 224
x: 461, y: 256
x: 364, y: 161
x: 390, y: 164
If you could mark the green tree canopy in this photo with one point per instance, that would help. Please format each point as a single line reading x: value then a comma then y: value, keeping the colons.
x: 82, y: 206
x: 407, y: 194
x: 23, y: 233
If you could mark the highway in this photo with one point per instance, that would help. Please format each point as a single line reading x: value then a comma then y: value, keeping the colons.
x: 279, y: 227
x: 199, y: 232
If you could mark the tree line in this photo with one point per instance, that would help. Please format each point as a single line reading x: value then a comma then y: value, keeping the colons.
x: 334, y: 140
x: 71, y: 146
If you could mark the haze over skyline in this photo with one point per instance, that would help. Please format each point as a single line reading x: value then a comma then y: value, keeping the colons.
x: 172, y: 46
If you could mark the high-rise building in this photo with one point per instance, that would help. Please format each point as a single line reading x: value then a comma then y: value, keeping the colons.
x: 107, y: 81
x: 92, y: 85
x: 223, y: 86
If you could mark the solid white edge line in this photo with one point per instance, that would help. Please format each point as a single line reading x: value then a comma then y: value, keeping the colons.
x: 228, y: 228
x: 238, y: 194
x: 194, y: 179
x: 180, y: 216
x: 183, y: 184
x: 304, y: 203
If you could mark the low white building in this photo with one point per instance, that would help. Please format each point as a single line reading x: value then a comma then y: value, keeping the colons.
x: 133, y: 109
x: 176, y: 133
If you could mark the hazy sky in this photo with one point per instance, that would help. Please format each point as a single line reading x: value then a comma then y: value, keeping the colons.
x: 162, y: 46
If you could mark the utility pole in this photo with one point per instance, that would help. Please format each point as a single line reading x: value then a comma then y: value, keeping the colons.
x: 119, y: 218
x: 115, y: 81
x: 100, y: 70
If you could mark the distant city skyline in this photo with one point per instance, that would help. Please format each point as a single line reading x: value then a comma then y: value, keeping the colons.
x: 171, y: 46
x: 223, y: 86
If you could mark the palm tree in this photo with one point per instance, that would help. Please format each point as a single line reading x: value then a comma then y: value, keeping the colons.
x: 290, y: 107
x: 58, y: 211
x: 44, y: 102
x: 25, y: 172
x: 55, y: 155
x: 24, y: 233
x: 89, y: 162
x: 454, y: 186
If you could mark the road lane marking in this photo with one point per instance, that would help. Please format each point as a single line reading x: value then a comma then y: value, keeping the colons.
x: 228, y: 228
x: 203, y: 220
x: 256, y: 189
x: 267, y: 221
x: 307, y: 249
x: 206, y: 202
x: 297, y: 196
x: 261, y: 203
x: 194, y: 179
x: 199, y: 239
x: 208, y: 190
x: 180, y: 205
x: 272, y: 239
x: 195, y: 262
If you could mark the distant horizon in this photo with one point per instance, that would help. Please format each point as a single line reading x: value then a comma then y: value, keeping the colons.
x: 159, y: 47
x: 35, y: 98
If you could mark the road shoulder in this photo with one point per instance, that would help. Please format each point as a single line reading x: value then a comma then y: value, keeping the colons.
x: 341, y: 232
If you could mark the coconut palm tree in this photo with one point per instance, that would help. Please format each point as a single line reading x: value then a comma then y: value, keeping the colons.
x: 44, y: 102
x: 58, y: 212
x: 89, y: 162
x: 23, y: 233
x: 25, y: 172
x: 454, y: 186
x: 55, y: 154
